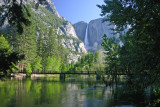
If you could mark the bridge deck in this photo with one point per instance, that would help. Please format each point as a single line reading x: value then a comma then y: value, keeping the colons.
x: 74, y: 73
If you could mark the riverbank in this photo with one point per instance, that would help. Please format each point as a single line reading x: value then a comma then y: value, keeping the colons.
x: 21, y: 76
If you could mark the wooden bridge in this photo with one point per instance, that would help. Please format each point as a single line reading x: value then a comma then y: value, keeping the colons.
x: 63, y: 74
x: 73, y: 73
x: 77, y: 73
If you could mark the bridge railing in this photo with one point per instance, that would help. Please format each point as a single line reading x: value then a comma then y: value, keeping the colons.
x: 76, y: 72
x: 64, y: 72
x: 82, y: 72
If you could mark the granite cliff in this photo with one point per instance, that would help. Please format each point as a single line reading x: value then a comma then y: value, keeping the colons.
x: 96, y: 29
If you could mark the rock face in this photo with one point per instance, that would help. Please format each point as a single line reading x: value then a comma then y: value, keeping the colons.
x: 96, y: 29
x: 74, y: 45
x: 80, y: 29
x: 50, y: 6
x: 68, y: 29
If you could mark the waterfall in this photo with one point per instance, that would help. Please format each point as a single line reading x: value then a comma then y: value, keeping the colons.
x: 86, y: 42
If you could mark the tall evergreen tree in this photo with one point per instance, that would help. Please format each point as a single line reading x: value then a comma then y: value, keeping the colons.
x: 52, y: 44
x: 62, y: 51
x: 8, y: 59
x: 40, y: 45
x: 27, y: 45
x: 37, y: 64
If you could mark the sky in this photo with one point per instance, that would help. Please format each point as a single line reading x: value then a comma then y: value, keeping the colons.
x: 78, y: 10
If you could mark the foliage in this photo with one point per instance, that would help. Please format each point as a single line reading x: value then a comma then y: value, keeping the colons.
x: 89, y: 62
x: 54, y: 52
x: 48, y: 64
x: 14, y: 68
x: 155, y: 99
x: 51, y: 44
x: 7, y: 58
x: 139, y: 56
x: 140, y: 15
x: 4, y: 44
x: 25, y: 43
x: 112, y: 54
x: 57, y: 64
x: 36, y: 65
x: 64, y: 67
x: 40, y: 45
x: 45, y: 18
x: 14, y: 14
x: 52, y: 64
x: 28, y: 70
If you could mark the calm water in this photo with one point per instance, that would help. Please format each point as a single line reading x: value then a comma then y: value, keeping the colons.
x: 49, y: 92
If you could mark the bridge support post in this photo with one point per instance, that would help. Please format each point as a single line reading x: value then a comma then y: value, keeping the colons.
x: 62, y: 76
x: 98, y: 77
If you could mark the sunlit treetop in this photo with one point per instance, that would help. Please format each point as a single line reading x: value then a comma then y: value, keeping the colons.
x: 3, y: 43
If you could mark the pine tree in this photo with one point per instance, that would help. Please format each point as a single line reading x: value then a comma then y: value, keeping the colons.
x: 62, y: 53
x: 51, y: 44
x: 40, y: 45
x: 49, y: 64
x: 57, y: 64
x: 27, y: 45
x: 36, y: 65
x: 8, y: 59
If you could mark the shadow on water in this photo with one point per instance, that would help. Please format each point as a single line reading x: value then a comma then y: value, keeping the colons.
x: 139, y: 91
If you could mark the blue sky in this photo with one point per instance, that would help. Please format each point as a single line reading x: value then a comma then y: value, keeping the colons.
x: 78, y: 10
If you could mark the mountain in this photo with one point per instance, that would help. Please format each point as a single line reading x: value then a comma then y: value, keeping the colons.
x: 46, y: 17
x: 80, y: 29
x: 95, y: 30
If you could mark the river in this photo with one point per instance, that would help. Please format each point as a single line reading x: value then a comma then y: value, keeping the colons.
x: 50, y: 92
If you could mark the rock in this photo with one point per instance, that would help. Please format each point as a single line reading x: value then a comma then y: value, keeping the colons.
x: 73, y: 58
x: 74, y: 45
x: 68, y: 30
x: 82, y: 48
x: 52, y: 8
x: 80, y: 29
x: 59, y: 31
x: 96, y: 30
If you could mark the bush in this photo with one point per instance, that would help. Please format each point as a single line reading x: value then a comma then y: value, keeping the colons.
x: 14, y: 68
x: 28, y: 70
x: 36, y: 65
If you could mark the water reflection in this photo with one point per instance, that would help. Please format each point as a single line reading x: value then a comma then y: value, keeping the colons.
x: 51, y: 93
